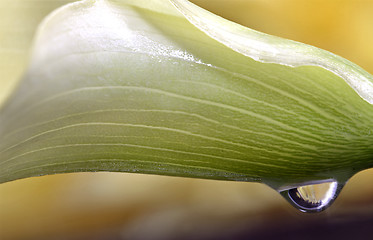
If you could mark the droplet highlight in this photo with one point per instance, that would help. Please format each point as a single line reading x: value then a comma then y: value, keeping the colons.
x: 314, y: 197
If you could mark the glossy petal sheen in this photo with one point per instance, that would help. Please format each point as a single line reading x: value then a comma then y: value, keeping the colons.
x: 136, y: 87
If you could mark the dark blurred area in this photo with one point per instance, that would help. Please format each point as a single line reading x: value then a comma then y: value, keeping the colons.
x: 131, y: 206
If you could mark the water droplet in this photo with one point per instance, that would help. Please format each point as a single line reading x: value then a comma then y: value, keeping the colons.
x: 313, y: 197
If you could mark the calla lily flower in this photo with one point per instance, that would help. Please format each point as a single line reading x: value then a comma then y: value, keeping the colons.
x: 169, y: 88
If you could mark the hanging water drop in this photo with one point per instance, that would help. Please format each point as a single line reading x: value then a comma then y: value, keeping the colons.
x: 313, y: 197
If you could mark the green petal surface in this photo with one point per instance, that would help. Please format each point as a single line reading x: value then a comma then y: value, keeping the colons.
x: 122, y: 86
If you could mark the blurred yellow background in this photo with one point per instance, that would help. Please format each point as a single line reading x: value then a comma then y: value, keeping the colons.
x: 131, y: 206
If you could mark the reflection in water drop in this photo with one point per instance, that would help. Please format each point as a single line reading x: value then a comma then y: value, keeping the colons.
x: 313, y: 197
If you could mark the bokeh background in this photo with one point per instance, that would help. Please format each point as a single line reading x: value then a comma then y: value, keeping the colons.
x: 130, y: 206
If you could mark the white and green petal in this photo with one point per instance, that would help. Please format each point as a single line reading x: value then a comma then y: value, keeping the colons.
x: 135, y: 87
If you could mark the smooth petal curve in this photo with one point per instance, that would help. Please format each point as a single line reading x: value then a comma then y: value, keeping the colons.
x: 270, y: 49
x: 114, y: 86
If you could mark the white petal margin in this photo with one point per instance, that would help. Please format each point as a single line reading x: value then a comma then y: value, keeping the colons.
x: 271, y: 49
